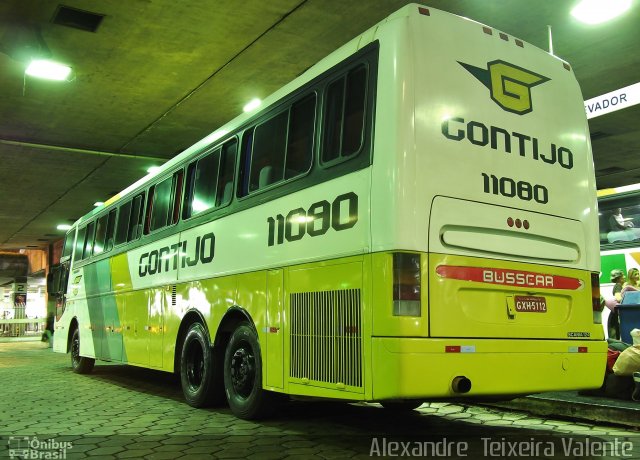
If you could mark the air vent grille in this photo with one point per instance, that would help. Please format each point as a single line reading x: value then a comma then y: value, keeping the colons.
x: 326, y: 337
x: 77, y: 19
x: 174, y: 293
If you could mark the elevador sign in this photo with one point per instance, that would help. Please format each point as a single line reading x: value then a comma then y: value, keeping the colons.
x: 615, y: 100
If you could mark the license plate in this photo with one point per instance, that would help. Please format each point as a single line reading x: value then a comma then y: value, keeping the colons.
x: 530, y: 304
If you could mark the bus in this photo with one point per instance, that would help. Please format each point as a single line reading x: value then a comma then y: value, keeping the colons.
x: 619, y: 221
x: 412, y: 218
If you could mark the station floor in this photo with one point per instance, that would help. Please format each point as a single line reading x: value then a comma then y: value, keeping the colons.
x: 47, y: 411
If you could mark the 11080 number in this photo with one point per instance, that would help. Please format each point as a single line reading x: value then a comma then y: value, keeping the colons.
x: 510, y: 188
x: 315, y: 221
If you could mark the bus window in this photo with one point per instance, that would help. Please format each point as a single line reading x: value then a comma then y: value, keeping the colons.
x: 68, y: 245
x: 160, y: 204
x: 619, y: 220
x: 247, y: 147
x: 111, y: 226
x: 202, y: 176
x: 88, y: 245
x: 135, y: 221
x: 79, y: 247
x: 101, y: 234
x: 123, y: 223
x: 300, y: 139
x: 227, y: 168
x: 267, y: 161
x: 344, y: 115
x: 205, y: 182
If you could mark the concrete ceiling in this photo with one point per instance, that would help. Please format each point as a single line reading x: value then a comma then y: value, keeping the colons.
x: 158, y: 75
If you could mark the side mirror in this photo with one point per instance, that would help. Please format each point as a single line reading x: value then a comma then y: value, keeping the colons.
x: 54, y: 280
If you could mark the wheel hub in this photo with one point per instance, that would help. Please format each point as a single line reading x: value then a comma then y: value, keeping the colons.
x: 195, y: 367
x: 242, y: 371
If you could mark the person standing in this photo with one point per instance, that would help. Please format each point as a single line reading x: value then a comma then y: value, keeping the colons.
x: 633, y: 280
x: 613, y: 323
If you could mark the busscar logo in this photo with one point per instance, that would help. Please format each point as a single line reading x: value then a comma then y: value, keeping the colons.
x: 509, y: 85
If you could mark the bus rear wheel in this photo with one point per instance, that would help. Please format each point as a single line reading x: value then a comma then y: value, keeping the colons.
x: 79, y: 364
x: 200, y: 384
x: 243, y: 376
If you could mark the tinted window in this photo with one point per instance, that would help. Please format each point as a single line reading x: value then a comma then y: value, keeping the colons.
x: 111, y: 226
x: 210, y: 180
x: 300, y: 139
x: 123, y: 223
x: 226, y: 172
x: 344, y: 115
x: 79, y: 247
x: 135, y: 220
x: 281, y: 148
x: 267, y: 162
x: 619, y: 220
x: 205, y: 182
x: 68, y: 244
x: 160, y: 206
x: 101, y: 234
x: 88, y: 244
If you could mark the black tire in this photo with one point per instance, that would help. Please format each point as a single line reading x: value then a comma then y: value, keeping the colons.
x: 243, y: 376
x: 79, y: 364
x: 401, y: 406
x: 199, y: 375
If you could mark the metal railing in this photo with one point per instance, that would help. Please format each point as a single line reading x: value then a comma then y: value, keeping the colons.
x: 14, y: 323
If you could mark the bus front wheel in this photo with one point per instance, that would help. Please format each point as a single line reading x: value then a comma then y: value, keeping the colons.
x: 79, y: 364
x: 243, y: 376
x: 198, y: 370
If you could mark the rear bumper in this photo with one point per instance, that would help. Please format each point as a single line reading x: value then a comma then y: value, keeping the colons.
x: 420, y: 368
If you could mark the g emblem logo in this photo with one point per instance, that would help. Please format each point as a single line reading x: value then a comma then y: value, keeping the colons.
x: 509, y: 85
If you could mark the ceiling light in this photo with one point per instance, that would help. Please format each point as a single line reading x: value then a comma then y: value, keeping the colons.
x: 98, y: 203
x: 598, y: 11
x: 153, y: 169
x: 50, y: 70
x: 63, y: 227
x: 251, y: 105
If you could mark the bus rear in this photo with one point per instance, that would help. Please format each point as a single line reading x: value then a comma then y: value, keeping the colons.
x: 490, y: 179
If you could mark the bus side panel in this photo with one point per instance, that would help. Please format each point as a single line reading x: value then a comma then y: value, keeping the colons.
x: 326, y: 326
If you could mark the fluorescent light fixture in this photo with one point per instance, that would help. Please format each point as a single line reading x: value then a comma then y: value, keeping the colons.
x: 50, y: 70
x: 153, y: 169
x: 251, y: 105
x: 63, y: 227
x: 98, y: 203
x: 599, y: 11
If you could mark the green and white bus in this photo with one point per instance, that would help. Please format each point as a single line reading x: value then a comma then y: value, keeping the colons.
x: 411, y: 214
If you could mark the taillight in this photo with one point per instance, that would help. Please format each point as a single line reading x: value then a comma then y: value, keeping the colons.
x: 596, y: 304
x: 406, y: 284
